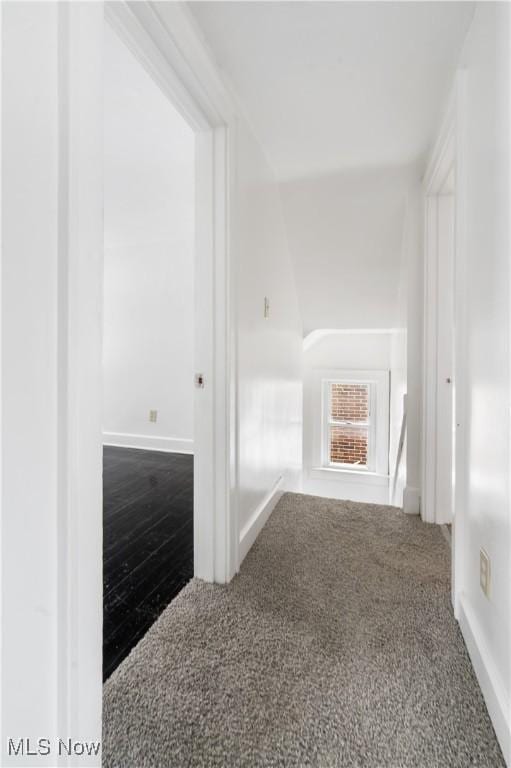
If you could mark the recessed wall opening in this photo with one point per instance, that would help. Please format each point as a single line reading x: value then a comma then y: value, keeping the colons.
x: 354, y: 383
x: 148, y: 351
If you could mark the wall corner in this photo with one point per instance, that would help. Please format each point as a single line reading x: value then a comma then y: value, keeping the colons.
x: 411, y: 500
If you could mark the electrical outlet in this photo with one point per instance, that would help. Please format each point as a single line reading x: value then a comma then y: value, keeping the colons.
x: 266, y: 307
x: 484, y: 572
x: 153, y: 415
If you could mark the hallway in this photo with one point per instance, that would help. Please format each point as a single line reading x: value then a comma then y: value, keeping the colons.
x: 335, y: 645
x: 319, y: 318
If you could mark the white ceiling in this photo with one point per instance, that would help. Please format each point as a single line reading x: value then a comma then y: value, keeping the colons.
x: 346, y: 98
x: 334, y: 85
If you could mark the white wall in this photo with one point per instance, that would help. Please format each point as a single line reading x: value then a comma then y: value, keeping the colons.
x: 355, y: 239
x: 345, y: 236
x: 39, y: 600
x: 29, y: 371
x: 343, y: 351
x: 51, y: 623
x: 269, y: 349
x: 149, y: 244
x: 485, y: 433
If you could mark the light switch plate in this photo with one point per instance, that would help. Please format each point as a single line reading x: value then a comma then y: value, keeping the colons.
x: 484, y: 572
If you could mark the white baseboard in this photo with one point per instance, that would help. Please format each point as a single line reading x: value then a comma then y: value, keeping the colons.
x: 489, y: 680
x: 347, y: 476
x: 148, y: 442
x: 252, y: 529
x: 411, y: 500
x: 347, y: 485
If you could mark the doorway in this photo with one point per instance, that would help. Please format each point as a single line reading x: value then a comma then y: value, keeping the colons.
x: 443, y: 461
x: 439, y: 358
x: 162, y: 41
x: 148, y: 340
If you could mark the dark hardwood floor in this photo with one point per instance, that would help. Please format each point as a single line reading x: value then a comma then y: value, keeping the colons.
x: 147, y: 542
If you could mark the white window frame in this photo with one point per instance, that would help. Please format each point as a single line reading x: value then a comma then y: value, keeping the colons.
x: 328, y: 423
x: 379, y: 380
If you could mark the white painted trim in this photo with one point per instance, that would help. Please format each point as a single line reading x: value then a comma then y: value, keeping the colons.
x: 399, y: 453
x: 176, y: 57
x: 447, y: 155
x: 163, y: 38
x: 80, y: 509
x: 2, y: 508
x: 328, y: 423
x: 440, y: 162
x: 446, y: 533
x: 429, y: 389
x: 191, y: 78
x: 488, y: 678
x: 148, y: 442
x: 133, y: 32
x: 348, y: 476
x: 411, y: 501
x: 381, y: 380
x: 460, y: 346
x: 449, y: 152
x: 253, y: 527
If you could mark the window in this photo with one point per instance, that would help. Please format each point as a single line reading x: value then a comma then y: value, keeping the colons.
x: 349, y: 424
x: 348, y: 414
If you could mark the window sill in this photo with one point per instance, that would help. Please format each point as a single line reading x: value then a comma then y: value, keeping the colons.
x: 348, y: 476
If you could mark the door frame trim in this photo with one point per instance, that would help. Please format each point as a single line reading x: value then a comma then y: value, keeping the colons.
x: 163, y: 41
x: 448, y: 153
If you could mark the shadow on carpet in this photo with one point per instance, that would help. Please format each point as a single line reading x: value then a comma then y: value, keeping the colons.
x: 335, y: 646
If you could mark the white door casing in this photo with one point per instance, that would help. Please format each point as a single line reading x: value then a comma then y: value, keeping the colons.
x: 158, y: 35
x: 164, y: 41
x: 443, y: 462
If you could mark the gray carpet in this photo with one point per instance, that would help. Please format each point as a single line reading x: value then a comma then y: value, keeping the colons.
x: 335, y: 646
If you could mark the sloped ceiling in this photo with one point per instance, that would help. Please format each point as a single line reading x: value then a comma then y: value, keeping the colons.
x: 346, y: 98
x: 345, y: 232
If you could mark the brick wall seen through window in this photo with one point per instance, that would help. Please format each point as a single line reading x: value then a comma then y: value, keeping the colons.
x: 349, y: 423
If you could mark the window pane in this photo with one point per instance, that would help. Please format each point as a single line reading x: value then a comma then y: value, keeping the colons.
x: 349, y: 402
x: 348, y: 445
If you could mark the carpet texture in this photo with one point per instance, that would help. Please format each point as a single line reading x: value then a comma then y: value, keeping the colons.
x: 335, y: 646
